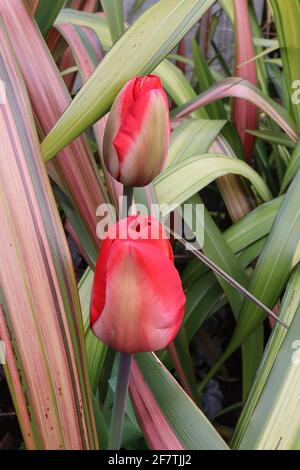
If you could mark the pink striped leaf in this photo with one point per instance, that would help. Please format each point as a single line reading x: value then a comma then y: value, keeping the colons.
x: 244, y: 113
x: 240, y: 88
x: 238, y: 196
x: 96, y: 23
x: 87, y: 53
x: 32, y: 5
x: 74, y: 168
x: 40, y: 317
x: 157, y: 431
x: 83, y: 5
x: 179, y: 424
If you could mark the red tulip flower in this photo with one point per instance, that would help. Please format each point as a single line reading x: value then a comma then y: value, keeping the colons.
x: 137, y: 133
x: 137, y: 301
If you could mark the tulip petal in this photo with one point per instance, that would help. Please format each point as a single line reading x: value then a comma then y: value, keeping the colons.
x: 137, y: 228
x: 110, y: 155
x: 145, y: 300
x: 142, y: 151
x: 126, y: 98
x: 99, y: 283
x: 118, y: 113
x: 133, y: 90
x: 144, y: 84
x: 141, y: 228
x: 137, y: 132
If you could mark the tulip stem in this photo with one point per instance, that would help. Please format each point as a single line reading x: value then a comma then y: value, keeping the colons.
x: 127, y: 200
x: 118, y: 412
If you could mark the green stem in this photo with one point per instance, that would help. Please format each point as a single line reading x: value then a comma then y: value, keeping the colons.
x: 127, y: 201
x: 118, y: 413
x: 106, y: 374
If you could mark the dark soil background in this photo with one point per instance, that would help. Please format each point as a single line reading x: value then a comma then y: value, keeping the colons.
x: 10, y: 435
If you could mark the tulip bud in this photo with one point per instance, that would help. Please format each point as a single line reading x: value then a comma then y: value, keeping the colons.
x: 137, y: 133
x: 137, y: 301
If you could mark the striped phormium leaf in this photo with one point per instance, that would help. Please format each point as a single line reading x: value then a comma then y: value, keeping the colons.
x: 83, y: 5
x: 96, y: 23
x: 214, y: 244
x: 244, y: 113
x: 236, y: 194
x: 272, y: 270
x: 40, y: 318
x: 176, y: 184
x: 162, y: 26
x: 183, y: 425
x: 270, y: 418
x: 45, y: 14
x: 73, y: 168
x: 240, y: 88
x: 114, y: 13
x: 85, y: 47
x: 286, y: 17
x: 158, y: 433
x: 32, y: 5
x: 86, y: 51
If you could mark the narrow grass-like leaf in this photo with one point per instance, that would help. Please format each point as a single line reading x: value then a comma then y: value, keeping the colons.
x: 274, y: 136
x: 114, y: 13
x: 136, y: 6
x: 46, y: 13
x: 180, y: 356
x: 246, y: 239
x: 205, y: 297
x: 217, y: 249
x: 215, y: 110
x: 228, y: 7
x: 274, y: 265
